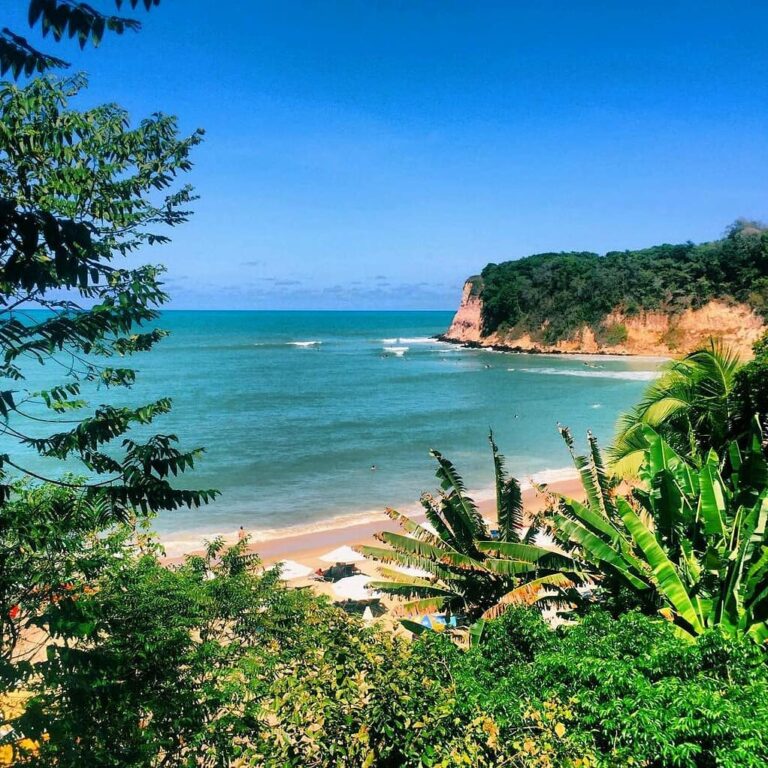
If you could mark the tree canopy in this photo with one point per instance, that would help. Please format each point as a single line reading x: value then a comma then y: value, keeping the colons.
x: 551, y: 295
x: 60, y: 19
x: 78, y: 191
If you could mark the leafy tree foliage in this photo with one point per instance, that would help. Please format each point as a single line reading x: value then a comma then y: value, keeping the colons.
x: 48, y: 554
x: 62, y: 18
x: 618, y: 692
x: 79, y: 189
x: 551, y: 295
x: 749, y: 395
x: 214, y: 663
x: 470, y: 573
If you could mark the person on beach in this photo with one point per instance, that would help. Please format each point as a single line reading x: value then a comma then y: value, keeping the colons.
x: 241, y: 534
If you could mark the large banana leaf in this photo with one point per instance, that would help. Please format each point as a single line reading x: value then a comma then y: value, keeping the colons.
x: 407, y: 560
x: 413, y: 546
x: 668, y: 506
x: 748, y: 552
x: 509, y: 498
x: 390, y: 574
x: 586, y: 472
x: 435, y: 518
x: 529, y: 553
x: 410, y: 589
x: 506, y: 567
x: 413, y: 528
x: 422, y: 605
x: 422, y: 549
x: 661, y: 456
x: 453, y: 484
x: 600, y: 477
x: 596, y: 550
x: 712, y: 506
x: 666, y: 575
x: 589, y: 518
x: 602, y: 528
x: 453, y: 512
x: 527, y: 594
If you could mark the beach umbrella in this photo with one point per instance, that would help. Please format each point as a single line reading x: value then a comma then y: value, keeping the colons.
x: 437, y: 622
x: 290, y: 569
x: 343, y: 554
x: 354, y: 588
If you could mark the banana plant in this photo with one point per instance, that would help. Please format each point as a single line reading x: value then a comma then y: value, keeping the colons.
x: 690, y: 539
x: 689, y: 405
x: 464, y: 569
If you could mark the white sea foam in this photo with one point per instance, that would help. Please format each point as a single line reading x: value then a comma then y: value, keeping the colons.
x: 389, y: 341
x: 416, y: 340
x: 397, y: 351
x: 305, y: 343
x: 549, y: 476
x: 598, y: 374
x: 596, y: 405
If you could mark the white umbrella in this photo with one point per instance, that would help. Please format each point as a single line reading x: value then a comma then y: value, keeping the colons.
x: 290, y: 569
x: 354, y: 588
x: 343, y: 554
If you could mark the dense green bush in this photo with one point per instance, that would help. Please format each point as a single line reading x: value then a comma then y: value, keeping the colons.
x: 629, y: 691
x: 215, y: 663
x: 551, y: 295
x: 750, y: 390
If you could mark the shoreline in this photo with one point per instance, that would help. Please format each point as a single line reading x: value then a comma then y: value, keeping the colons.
x: 307, y: 547
x: 545, y: 351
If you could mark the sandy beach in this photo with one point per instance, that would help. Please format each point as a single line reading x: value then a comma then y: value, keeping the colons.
x: 307, y: 548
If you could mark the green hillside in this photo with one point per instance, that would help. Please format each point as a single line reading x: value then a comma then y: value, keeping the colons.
x: 550, y: 295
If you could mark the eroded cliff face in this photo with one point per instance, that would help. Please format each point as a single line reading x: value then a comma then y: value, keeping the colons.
x: 467, y: 323
x: 648, y: 333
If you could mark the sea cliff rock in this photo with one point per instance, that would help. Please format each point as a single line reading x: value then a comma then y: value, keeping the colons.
x: 645, y: 333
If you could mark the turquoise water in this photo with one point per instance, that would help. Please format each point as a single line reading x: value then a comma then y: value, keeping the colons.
x: 292, y: 428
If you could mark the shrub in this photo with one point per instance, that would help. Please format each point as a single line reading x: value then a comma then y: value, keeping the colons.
x: 627, y: 691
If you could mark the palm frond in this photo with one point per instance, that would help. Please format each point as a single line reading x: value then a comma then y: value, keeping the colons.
x: 410, y: 590
x: 528, y: 553
x: 453, y: 484
x: 386, y: 555
x: 422, y: 605
x: 509, y: 498
x: 526, y: 594
x: 412, y: 527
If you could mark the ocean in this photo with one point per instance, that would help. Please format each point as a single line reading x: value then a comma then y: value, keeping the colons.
x: 312, y: 419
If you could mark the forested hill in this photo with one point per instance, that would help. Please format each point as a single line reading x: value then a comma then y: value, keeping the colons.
x: 554, y: 297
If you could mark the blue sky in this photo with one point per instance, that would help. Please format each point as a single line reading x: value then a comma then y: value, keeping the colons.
x: 374, y: 153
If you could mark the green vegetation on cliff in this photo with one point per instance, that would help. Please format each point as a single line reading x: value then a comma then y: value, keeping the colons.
x: 551, y: 295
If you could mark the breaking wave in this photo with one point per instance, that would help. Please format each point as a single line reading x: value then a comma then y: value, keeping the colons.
x: 625, y: 375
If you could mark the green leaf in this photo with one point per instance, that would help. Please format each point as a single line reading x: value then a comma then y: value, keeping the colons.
x: 665, y: 574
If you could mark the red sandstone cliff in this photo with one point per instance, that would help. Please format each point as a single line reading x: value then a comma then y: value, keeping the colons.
x: 648, y: 333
